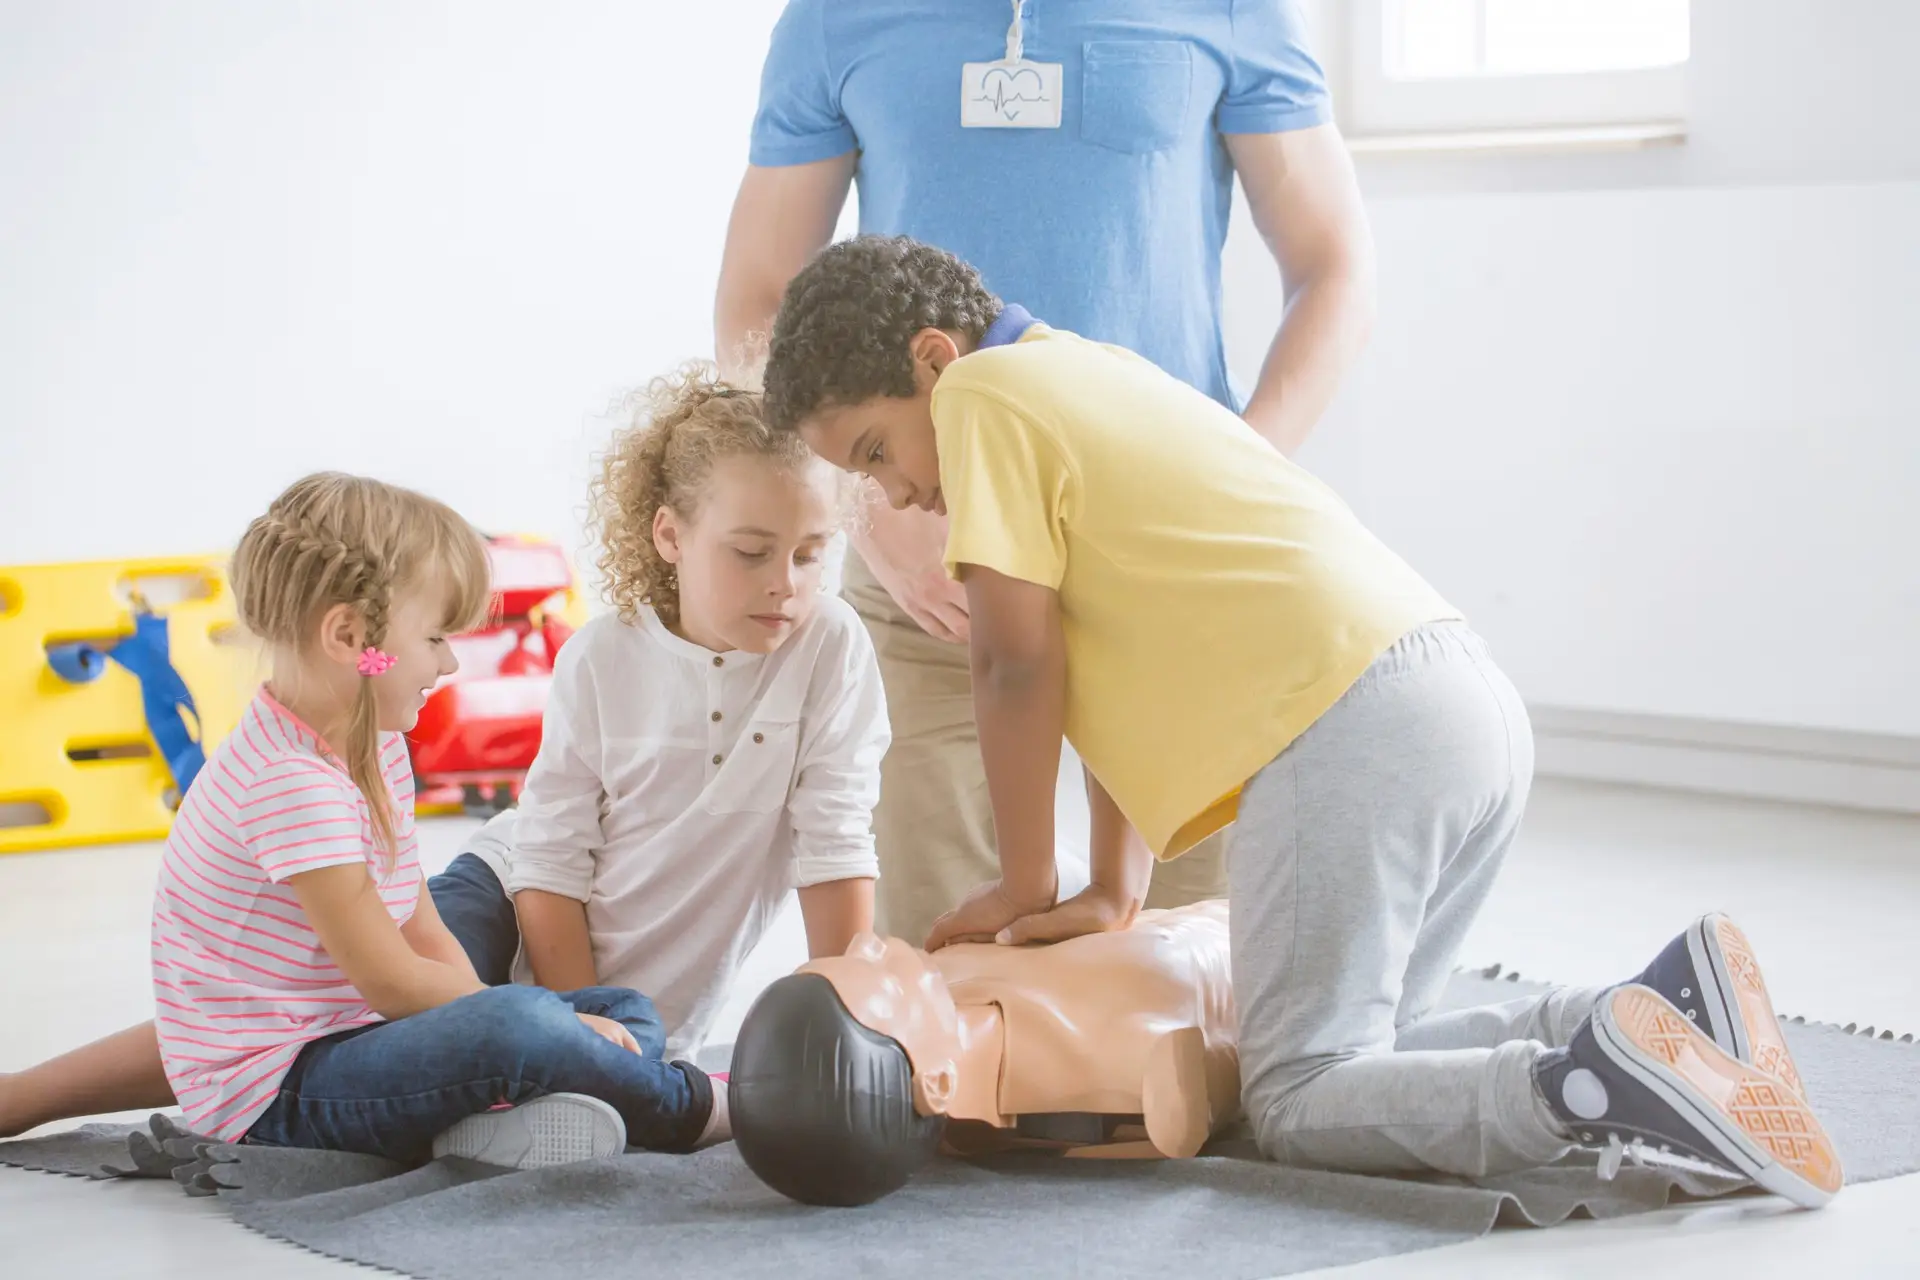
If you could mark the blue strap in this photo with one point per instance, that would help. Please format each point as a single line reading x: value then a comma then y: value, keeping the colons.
x: 1010, y: 327
x: 145, y: 654
x: 77, y: 663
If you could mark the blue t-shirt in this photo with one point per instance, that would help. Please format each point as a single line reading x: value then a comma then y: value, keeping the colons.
x: 1110, y: 225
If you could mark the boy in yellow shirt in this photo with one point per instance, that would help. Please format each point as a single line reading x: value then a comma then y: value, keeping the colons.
x: 1222, y: 641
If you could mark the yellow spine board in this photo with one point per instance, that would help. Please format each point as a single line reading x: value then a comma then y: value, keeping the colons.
x: 120, y: 795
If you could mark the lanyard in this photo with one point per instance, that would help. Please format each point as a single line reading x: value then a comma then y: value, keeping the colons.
x: 1017, y: 33
x: 1011, y: 93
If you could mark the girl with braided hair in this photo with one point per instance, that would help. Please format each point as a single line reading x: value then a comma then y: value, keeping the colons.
x: 308, y: 992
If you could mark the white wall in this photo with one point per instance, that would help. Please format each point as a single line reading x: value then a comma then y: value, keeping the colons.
x: 1653, y: 419
x: 243, y: 240
x: 1649, y: 417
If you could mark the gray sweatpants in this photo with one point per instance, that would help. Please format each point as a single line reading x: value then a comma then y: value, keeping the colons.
x: 1359, y: 859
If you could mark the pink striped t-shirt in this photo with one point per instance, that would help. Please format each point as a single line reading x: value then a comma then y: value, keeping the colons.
x: 240, y: 981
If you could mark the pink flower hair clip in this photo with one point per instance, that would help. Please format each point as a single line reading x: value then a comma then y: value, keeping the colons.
x: 373, y: 662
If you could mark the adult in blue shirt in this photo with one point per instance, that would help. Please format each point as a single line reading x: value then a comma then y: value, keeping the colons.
x: 1086, y: 168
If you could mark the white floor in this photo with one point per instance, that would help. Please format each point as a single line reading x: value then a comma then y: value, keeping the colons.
x: 1601, y: 878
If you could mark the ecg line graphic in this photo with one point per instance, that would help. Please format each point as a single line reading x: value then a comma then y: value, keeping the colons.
x: 1006, y: 94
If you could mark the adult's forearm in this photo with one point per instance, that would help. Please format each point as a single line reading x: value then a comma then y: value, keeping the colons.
x: 1326, y: 326
x: 743, y: 311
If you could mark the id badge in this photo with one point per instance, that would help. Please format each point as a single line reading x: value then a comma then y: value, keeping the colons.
x: 1010, y: 95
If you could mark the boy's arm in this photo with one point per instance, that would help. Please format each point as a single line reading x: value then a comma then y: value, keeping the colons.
x: 430, y: 938
x: 1121, y: 868
x: 1019, y: 700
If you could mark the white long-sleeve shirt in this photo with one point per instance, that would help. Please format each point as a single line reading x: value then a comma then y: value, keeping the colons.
x: 680, y: 794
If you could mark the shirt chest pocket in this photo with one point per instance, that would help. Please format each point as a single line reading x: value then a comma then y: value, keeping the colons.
x: 757, y: 775
x: 1135, y: 93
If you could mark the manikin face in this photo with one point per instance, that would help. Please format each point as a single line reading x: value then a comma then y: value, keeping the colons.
x: 890, y: 988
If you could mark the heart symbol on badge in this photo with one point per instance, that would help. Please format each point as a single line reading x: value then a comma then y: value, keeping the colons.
x: 1008, y: 91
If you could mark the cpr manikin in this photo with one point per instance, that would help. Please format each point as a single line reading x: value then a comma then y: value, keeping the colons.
x: 847, y: 1073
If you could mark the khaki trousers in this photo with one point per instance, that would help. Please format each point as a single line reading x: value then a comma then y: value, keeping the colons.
x: 934, y: 823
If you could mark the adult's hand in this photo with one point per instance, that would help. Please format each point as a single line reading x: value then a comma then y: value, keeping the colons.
x: 905, y: 550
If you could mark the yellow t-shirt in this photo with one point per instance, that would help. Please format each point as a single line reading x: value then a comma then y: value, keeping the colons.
x: 1216, y: 598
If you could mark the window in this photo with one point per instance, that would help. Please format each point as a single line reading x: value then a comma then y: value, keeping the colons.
x: 1423, y: 66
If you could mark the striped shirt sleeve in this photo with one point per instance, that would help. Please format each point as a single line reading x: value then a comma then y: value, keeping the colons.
x: 303, y: 817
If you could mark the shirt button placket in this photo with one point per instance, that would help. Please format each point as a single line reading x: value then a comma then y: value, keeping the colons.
x: 716, y: 690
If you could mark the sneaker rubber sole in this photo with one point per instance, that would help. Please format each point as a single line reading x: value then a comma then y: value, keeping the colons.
x: 560, y: 1128
x: 1745, y: 1010
x: 1761, y: 1128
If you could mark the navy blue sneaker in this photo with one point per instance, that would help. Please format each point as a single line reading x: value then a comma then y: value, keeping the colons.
x: 1640, y: 1079
x: 1709, y: 974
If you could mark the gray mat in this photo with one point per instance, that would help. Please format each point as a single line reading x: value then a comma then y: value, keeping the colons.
x: 706, y: 1216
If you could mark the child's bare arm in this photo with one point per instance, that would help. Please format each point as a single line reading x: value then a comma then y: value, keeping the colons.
x: 429, y: 936
x: 1121, y: 867
x: 553, y: 929
x: 343, y: 905
x: 1120, y: 863
x: 556, y: 839
x: 1020, y: 702
x: 834, y: 913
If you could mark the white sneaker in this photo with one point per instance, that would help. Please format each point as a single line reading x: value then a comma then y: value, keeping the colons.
x: 559, y: 1128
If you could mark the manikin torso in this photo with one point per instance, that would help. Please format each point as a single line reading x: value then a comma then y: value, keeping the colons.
x: 1135, y: 1022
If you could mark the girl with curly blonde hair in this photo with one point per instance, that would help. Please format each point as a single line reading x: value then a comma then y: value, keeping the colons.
x: 712, y: 743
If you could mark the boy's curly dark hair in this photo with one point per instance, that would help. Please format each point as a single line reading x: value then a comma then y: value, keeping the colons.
x: 842, y: 333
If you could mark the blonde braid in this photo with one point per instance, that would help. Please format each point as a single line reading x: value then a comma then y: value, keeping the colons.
x: 333, y: 539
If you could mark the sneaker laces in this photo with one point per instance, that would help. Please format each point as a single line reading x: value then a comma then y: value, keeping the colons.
x: 1645, y: 1157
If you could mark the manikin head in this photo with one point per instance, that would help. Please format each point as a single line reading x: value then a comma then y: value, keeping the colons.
x: 843, y: 1073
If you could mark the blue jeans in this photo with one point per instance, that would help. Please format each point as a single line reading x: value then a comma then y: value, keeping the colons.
x: 389, y: 1089
x: 479, y: 914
